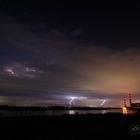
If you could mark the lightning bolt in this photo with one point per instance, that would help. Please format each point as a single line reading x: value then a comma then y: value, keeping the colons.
x: 72, y: 101
x: 103, y: 102
x: 73, y: 98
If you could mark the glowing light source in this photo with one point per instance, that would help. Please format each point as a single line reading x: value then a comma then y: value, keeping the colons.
x: 124, y: 109
x: 71, y: 112
x: 9, y: 71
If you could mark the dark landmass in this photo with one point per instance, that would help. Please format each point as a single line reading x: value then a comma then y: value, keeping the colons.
x: 6, y: 107
x: 71, y: 127
x: 93, y: 108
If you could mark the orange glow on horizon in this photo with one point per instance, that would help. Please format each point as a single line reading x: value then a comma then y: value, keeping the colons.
x: 125, y: 111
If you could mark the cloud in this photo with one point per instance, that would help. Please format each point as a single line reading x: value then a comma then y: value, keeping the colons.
x: 106, y: 70
x: 20, y: 71
x: 51, y: 66
x: 77, y: 32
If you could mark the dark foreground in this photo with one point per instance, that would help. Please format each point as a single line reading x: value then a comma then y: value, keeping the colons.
x: 71, y: 127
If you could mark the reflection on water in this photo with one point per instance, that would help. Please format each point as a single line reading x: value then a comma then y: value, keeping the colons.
x: 56, y: 112
x: 103, y: 111
x: 94, y: 111
x: 71, y: 112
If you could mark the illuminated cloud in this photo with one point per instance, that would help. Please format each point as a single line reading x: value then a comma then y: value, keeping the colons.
x: 106, y: 70
x: 20, y: 71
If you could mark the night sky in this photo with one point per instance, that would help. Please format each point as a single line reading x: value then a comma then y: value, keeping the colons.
x: 51, y: 52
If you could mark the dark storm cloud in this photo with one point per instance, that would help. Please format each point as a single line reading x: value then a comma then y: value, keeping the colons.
x: 21, y: 41
x: 62, y: 66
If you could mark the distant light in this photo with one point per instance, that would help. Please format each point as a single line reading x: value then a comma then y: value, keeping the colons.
x: 71, y: 112
x: 125, y: 111
x: 10, y: 71
x: 76, y: 97
x: 103, y: 102
x: 72, y: 98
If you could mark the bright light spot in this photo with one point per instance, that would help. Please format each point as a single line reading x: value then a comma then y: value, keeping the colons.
x: 72, y: 98
x: 103, y: 102
x: 76, y: 97
x: 71, y: 112
x: 124, y: 109
x: 10, y: 71
x: 72, y: 101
